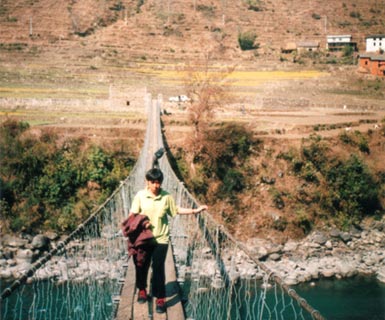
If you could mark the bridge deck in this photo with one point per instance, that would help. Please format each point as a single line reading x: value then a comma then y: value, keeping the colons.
x: 130, y: 309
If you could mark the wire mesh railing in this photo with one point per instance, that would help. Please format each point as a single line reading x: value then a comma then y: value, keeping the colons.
x: 81, y: 276
x: 219, y: 277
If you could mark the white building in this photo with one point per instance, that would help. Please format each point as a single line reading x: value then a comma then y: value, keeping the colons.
x: 338, y: 42
x: 375, y: 43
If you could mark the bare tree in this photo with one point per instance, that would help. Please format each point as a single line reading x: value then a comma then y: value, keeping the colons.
x: 208, y: 89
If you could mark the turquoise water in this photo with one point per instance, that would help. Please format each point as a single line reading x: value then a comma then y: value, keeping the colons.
x: 358, y: 298
x: 46, y: 300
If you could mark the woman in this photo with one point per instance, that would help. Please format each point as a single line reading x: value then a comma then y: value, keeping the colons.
x: 156, y: 204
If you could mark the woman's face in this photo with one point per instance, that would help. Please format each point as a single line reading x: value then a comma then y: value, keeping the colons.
x: 154, y: 187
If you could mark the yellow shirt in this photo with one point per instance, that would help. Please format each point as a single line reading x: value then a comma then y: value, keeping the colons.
x: 156, y: 208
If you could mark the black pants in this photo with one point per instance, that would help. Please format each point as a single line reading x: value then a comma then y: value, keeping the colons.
x: 157, y: 256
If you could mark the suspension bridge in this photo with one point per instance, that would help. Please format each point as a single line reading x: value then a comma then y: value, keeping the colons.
x: 90, y: 276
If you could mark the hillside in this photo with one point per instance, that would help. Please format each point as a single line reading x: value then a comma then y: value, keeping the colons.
x: 179, y: 30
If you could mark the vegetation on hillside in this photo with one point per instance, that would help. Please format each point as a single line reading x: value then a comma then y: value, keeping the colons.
x: 319, y: 186
x: 221, y: 167
x: 335, y: 189
x: 47, y: 185
x: 236, y: 173
x: 247, y: 40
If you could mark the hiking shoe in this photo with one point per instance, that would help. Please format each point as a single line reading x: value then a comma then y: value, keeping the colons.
x: 160, y: 305
x: 142, y: 296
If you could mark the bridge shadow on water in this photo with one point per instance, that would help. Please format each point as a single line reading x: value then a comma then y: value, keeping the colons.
x: 173, y: 293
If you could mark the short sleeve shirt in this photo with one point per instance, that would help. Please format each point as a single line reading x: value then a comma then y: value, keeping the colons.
x: 156, y: 208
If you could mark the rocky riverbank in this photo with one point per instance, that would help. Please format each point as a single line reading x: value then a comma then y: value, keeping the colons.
x: 80, y: 260
x: 322, y: 254
x: 17, y: 253
x: 329, y: 253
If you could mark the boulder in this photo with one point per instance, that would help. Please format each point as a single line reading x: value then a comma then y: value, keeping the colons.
x: 291, y: 279
x: 3, y: 263
x: 20, y: 269
x: 328, y: 273
x: 329, y: 244
x: 345, y: 237
x: 290, y: 246
x: 24, y: 256
x: 9, y: 253
x: 40, y: 242
x: 349, y: 270
x: 261, y: 252
x: 275, y: 256
x: 355, y: 232
x: 381, y: 274
x: 5, y: 274
x: 52, y: 236
x: 11, y: 262
x: 320, y: 238
x: 335, y: 233
x: 313, y: 270
x: 11, y: 241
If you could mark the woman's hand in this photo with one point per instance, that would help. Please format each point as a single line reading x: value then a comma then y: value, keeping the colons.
x: 200, y: 209
x: 147, y: 225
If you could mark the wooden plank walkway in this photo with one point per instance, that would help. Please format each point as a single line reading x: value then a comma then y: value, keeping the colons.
x: 130, y: 309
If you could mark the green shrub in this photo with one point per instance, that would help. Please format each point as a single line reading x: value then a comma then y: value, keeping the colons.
x: 353, y: 190
x: 355, y: 14
x: 254, y: 5
x: 345, y: 138
x: 363, y: 145
x: 303, y: 220
x: 233, y: 181
x: 278, y: 201
x: 208, y: 11
x: 41, y: 180
x: 225, y: 148
x: 280, y: 224
x: 356, y: 140
x: 254, y: 8
x: 13, y: 46
x: 317, y: 127
x: 297, y: 166
x: 316, y: 16
x: 117, y: 6
x: 246, y: 41
x: 139, y: 5
x: 288, y: 156
x: 316, y: 152
x: 198, y: 183
x: 309, y: 173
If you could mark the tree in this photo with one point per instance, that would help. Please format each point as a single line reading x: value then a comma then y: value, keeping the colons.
x: 208, y: 90
x: 353, y: 189
x: 49, y: 185
x: 246, y: 40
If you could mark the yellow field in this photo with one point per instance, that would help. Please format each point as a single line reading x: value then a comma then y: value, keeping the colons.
x: 82, y: 82
x: 237, y: 78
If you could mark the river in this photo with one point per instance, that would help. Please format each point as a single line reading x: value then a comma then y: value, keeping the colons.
x: 357, y: 298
